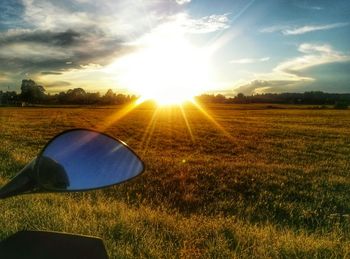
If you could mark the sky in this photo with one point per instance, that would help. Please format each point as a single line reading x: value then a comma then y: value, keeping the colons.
x: 172, y: 46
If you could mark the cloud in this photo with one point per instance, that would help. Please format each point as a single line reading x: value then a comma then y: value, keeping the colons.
x: 51, y: 73
x: 249, y: 60
x: 182, y: 23
x: 57, y: 84
x: 311, y: 28
x: 294, y: 73
x: 259, y: 86
x: 62, y: 39
x: 48, y: 15
x: 295, y: 30
x: 206, y: 24
x: 53, y: 37
x: 317, y: 8
x: 35, y: 51
x: 314, y: 55
x: 181, y: 2
x: 114, y: 17
x: 314, y: 48
x: 274, y: 28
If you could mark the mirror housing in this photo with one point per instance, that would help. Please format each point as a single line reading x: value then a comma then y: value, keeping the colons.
x: 22, y: 183
x: 77, y: 160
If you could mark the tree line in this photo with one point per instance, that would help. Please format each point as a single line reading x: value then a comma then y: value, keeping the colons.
x: 32, y: 93
x: 313, y: 98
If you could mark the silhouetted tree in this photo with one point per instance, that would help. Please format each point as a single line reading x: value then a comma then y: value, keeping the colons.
x: 316, y: 98
x: 240, y: 98
x: 8, y: 98
x: 121, y: 98
x: 219, y: 98
x: 32, y: 92
x: 93, y: 98
x: 62, y: 97
x: 76, y: 95
x: 109, y: 97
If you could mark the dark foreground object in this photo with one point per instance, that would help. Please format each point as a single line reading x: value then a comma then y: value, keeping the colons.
x: 51, y: 245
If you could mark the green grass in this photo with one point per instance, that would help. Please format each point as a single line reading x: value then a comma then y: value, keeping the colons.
x: 262, y: 183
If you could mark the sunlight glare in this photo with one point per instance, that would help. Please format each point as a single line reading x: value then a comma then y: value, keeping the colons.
x: 168, y: 69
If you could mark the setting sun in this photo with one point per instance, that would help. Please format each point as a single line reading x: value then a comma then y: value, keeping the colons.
x: 168, y: 69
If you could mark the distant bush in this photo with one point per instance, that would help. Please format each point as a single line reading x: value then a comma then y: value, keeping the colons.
x: 273, y: 107
x: 318, y: 107
x: 341, y: 105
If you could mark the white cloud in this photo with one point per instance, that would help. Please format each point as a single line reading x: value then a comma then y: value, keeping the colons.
x: 49, y: 16
x: 249, y: 60
x: 317, y: 8
x: 181, y: 2
x: 315, y: 55
x: 294, y: 30
x: 311, y: 28
x: 114, y: 18
x: 182, y: 23
x: 261, y: 90
x: 312, y: 48
x: 117, y: 18
x: 292, y: 73
x: 274, y: 28
x: 206, y: 24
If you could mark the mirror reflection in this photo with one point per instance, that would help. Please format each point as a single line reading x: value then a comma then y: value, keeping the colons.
x: 83, y: 159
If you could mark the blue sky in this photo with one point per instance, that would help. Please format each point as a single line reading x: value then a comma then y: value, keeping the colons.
x: 254, y: 46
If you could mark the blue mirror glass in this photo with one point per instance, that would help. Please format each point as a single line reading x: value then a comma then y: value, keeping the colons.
x: 82, y: 159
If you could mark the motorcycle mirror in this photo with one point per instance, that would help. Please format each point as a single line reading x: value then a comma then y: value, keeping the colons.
x: 77, y: 160
x: 80, y: 160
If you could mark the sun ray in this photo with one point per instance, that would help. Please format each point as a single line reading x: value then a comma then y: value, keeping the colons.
x: 187, y: 122
x: 118, y: 115
x: 147, y: 136
x: 213, y: 121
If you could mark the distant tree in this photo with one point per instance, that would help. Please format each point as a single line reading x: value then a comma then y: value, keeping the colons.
x: 109, y: 97
x: 8, y: 98
x: 32, y: 92
x: 62, y: 97
x: 219, y: 98
x: 240, y: 98
x: 121, y: 98
x: 76, y: 96
x: 93, y: 98
x: 340, y: 105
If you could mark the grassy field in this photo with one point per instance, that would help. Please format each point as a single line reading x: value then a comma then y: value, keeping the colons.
x: 231, y: 182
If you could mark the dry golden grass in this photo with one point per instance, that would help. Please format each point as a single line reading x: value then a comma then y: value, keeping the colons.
x: 241, y: 181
